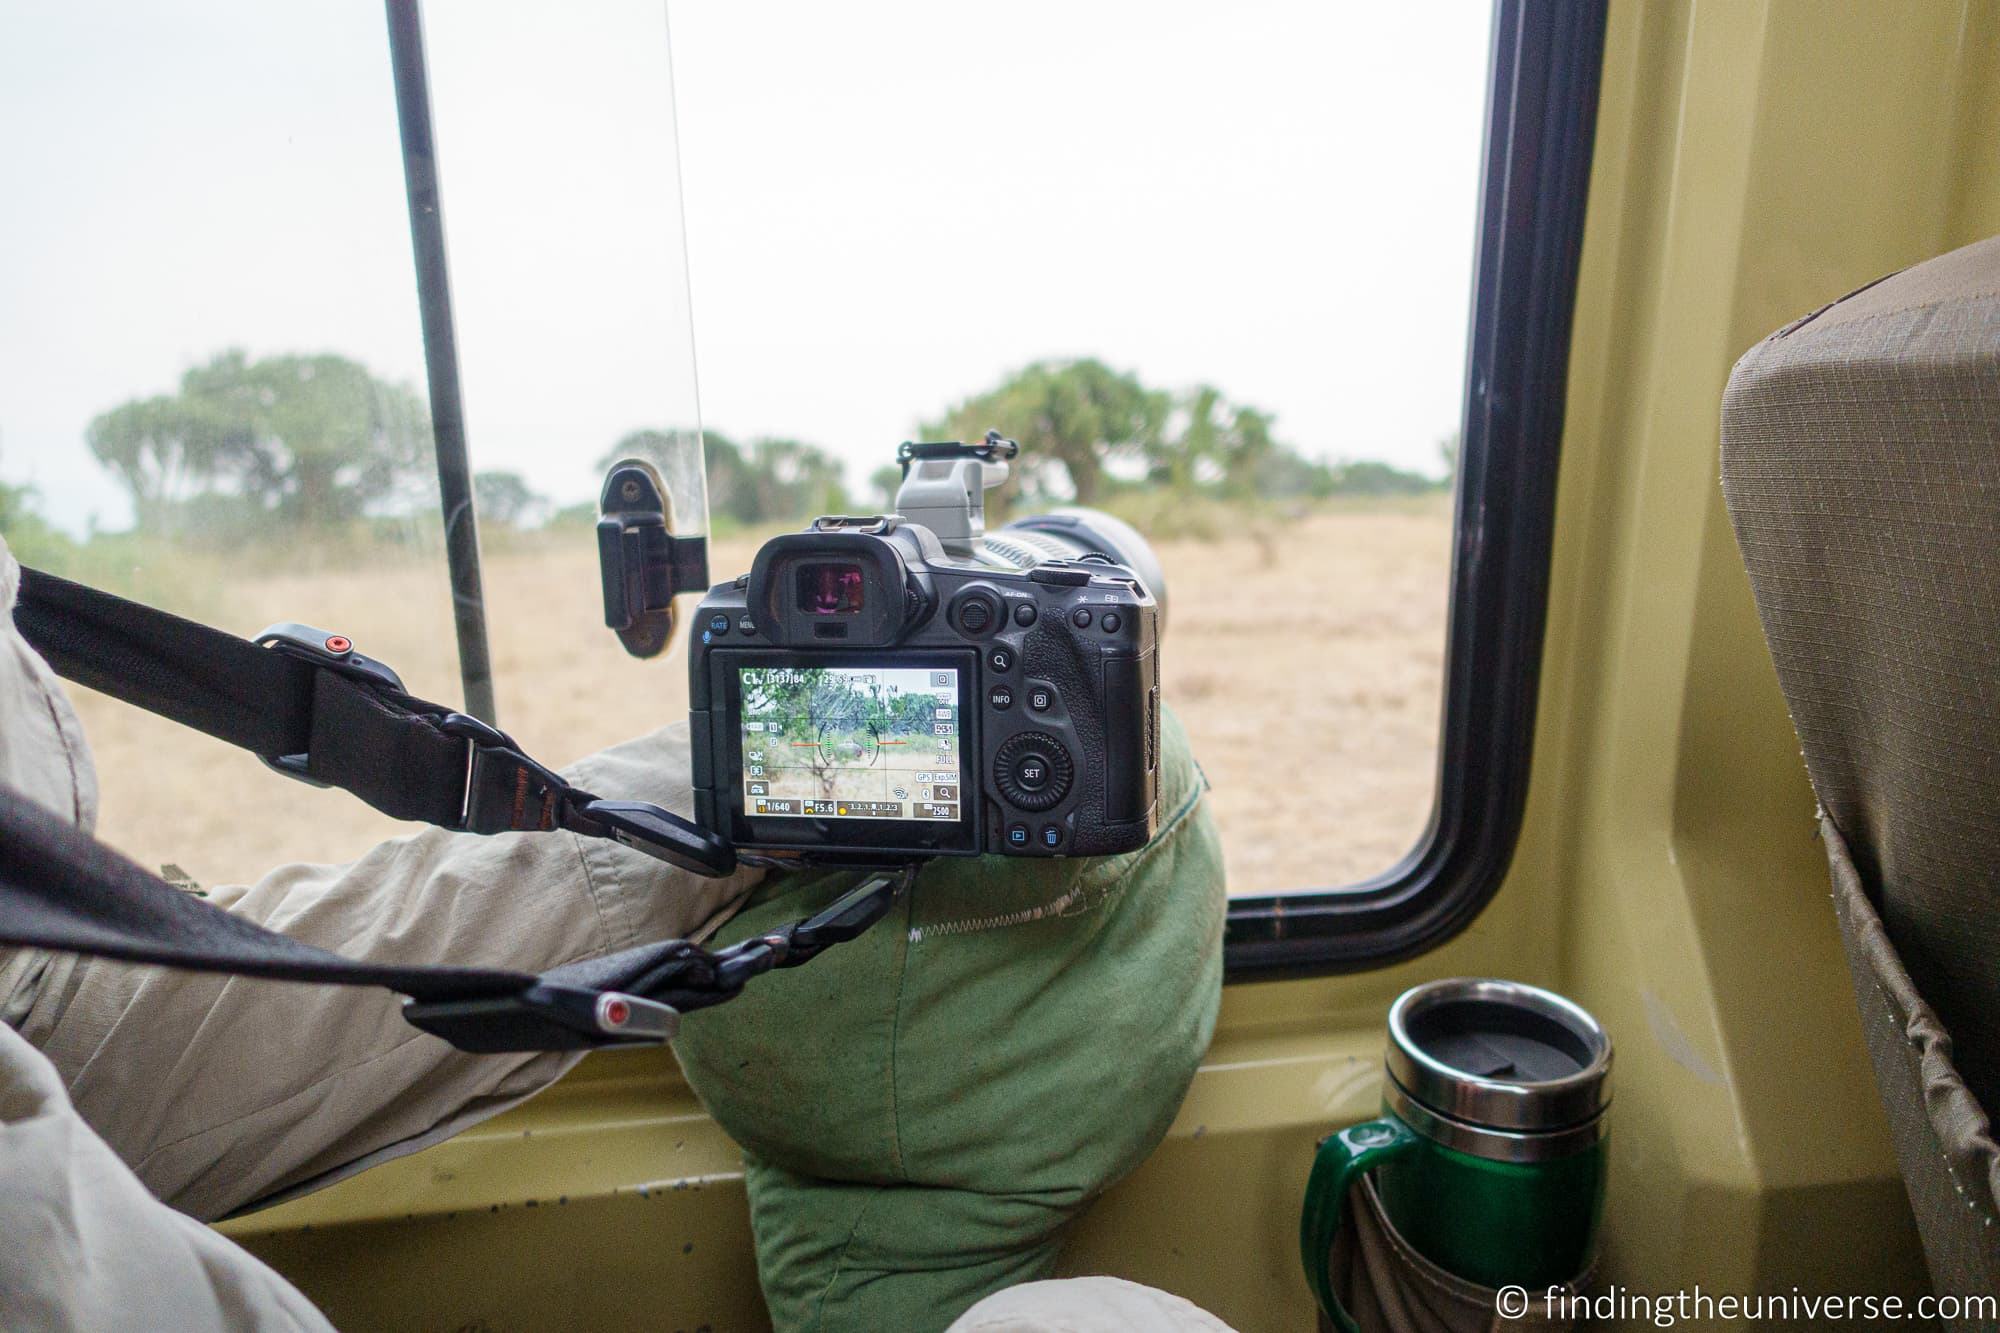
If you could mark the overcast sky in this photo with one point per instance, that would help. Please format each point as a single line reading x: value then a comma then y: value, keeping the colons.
x: 887, y: 207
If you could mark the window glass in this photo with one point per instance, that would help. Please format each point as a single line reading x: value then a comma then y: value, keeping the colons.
x: 212, y: 377
x: 562, y: 208
x: 1211, y: 265
x: 1211, y: 268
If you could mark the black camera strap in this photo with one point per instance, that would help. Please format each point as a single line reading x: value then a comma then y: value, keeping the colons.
x: 315, y: 709
x: 61, y: 889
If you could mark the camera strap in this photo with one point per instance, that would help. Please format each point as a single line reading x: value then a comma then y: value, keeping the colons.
x: 61, y: 889
x: 313, y: 708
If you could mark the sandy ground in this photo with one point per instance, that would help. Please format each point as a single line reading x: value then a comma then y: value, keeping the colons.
x: 1306, y: 668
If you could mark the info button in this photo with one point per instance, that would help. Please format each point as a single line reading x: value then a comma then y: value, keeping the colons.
x: 1000, y: 697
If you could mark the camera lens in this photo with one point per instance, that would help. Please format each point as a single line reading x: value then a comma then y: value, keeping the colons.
x: 829, y: 588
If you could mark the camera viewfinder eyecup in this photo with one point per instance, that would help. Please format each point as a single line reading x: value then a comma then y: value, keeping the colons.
x: 841, y: 584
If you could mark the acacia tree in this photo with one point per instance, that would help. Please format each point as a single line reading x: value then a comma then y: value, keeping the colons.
x: 163, y: 450
x: 1081, y: 413
x: 314, y: 439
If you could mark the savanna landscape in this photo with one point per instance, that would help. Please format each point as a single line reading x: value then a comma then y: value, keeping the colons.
x: 1304, y: 662
x: 1303, y: 647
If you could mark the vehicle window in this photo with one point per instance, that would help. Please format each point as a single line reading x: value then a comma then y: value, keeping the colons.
x: 1214, y: 270
x: 1211, y: 266
x: 213, y: 394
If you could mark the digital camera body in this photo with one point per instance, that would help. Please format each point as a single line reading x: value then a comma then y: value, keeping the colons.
x: 906, y: 686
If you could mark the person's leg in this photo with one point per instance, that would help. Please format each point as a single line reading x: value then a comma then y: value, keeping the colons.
x: 87, y: 1247
x: 224, y: 1091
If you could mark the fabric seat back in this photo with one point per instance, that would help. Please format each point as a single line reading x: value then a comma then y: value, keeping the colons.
x: 1861, y: 464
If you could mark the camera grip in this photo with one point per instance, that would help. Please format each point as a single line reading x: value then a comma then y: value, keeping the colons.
x: 1131, y: 721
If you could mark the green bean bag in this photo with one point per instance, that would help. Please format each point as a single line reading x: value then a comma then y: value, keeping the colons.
x: 925, y: 1109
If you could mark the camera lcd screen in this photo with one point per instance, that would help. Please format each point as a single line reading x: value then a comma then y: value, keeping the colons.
x: 839, y: 742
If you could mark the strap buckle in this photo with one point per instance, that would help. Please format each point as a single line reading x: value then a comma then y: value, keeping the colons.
x: 546, y: 1017
x: 521, y: 795
x: 333, y: 652
x: 489, y: 806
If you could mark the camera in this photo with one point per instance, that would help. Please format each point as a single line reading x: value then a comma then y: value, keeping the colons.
x: 908, y: 685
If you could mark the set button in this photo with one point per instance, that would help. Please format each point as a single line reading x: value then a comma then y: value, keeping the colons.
x: 1033, y: 771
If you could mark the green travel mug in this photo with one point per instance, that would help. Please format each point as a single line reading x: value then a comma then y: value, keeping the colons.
x: 1489, y: 1155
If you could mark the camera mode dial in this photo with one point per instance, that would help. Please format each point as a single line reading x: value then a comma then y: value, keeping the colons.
x: 1033, y: 771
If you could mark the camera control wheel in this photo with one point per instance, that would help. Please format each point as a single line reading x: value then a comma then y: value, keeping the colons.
x: 1033, y: 771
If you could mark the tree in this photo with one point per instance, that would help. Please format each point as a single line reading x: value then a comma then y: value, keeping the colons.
x: 506, y: 498
x: 314, y: 439
x: 1219, y: 443
x: 163, y: 450
x: 794, y: 481
x: 1081, y: 413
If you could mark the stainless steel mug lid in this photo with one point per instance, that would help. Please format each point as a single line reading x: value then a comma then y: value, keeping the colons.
x: 1499, y: 1055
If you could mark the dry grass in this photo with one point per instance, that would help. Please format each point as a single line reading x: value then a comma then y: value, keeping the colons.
x: 1306, y: 668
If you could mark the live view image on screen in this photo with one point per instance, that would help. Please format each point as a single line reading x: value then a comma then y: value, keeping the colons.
x: 851, y: 742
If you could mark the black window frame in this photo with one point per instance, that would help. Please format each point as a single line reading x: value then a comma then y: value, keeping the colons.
x: 1540, y: 126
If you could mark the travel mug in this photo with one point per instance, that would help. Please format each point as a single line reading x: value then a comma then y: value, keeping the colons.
x: 1489, y: 1155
